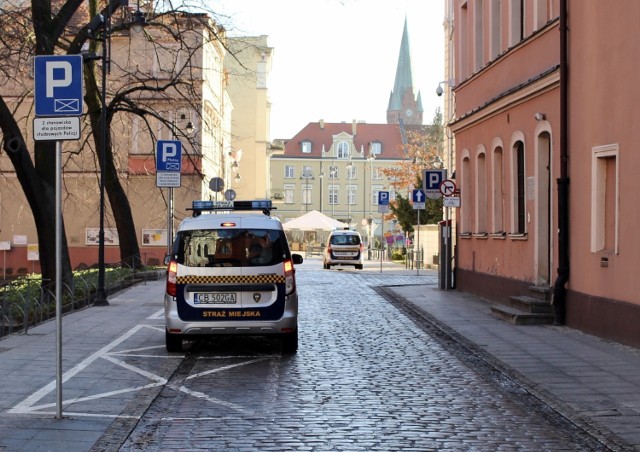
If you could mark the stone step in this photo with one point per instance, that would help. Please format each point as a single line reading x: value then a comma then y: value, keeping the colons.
x: 530, y: 305
x: 520, y: 317
x: 541, y: 292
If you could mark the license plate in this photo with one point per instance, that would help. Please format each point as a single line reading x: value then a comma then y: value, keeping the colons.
x: 214, y: 298
x: 344, y: 253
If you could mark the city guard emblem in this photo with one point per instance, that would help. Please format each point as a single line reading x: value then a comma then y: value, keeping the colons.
x: 256, y: 297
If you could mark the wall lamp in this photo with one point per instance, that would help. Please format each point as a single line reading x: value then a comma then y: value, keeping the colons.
x: 450, y: 83
x: 540, y: 116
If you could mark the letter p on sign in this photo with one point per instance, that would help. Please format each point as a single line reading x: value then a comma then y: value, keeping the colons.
x: 53, y: 68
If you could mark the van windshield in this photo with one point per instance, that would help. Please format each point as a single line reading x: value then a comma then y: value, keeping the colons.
x: 231, y: 247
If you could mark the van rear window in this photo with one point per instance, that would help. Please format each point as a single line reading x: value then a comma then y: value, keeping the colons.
x: 231, y: 247
x: 346, y: 239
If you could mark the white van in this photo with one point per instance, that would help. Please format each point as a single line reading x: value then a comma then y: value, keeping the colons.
x: 231, y: 273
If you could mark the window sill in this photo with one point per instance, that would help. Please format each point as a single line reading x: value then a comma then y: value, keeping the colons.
x: 514, y: 236
x: 498, y: 235
x: 480, y: 235
x: 464, y: 235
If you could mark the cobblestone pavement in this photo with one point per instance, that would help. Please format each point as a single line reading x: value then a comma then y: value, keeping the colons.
x: 366, y: 377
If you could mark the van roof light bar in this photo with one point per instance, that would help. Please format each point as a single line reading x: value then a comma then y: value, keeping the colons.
x: 197, y: 207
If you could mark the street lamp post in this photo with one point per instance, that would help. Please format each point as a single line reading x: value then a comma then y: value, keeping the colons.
x: 104, y: 23
x: 306, y: 197
x: 349, y: 176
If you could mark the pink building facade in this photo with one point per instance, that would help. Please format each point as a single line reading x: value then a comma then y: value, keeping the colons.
x: 543, y: 101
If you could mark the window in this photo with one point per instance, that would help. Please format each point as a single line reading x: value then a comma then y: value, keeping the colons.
x: 481, y: 194
x: 497, y: 198
x: 516, y: 21
x: 333, y: 194
x: 342, y: 150
x: 479, y: 35
x: 496, y: 28
x: 351, y: 172
x: 307, y: 172
x: 465, y: 189
x: 306, y: 193
x: 288, y: 193
x: 519, y: 211
x: 230, y: 247
x: 540, y: 14
x: 605, y: 199
x: 377, y: 173
x: 306, y: 147
x: 351, y: 194
x: 333, y: 172
x: 375, y: 189
x: 464, y: 45
x: 288, y: 171
x: 376, y: 148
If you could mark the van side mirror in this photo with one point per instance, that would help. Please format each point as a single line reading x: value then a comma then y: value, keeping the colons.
x: 297, y: 259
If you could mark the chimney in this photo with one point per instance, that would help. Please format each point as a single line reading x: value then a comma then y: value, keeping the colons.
x: 322, y: 123
x: 353, y: 127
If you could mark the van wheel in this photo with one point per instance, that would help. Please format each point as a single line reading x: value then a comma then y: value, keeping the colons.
x: 359, y: 267
x: 327, y: 266
x: 173, y: 342
x: 289, y: 342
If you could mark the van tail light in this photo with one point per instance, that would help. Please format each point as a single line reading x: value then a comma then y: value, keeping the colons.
x: 361, y: 248
x: 172, y: 270
x: 289, y: 277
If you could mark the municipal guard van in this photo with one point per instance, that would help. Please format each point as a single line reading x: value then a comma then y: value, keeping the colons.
x: 231, y: 273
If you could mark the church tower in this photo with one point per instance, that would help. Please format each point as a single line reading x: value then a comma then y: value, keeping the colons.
x: 403, y: 104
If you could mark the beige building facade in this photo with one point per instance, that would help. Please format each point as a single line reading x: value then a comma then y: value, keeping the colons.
x: 196, y: 109
x: 337, y: 169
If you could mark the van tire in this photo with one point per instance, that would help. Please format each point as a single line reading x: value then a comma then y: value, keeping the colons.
x: 289, y: 342
x: 173, y: 342
x: 358, y: 266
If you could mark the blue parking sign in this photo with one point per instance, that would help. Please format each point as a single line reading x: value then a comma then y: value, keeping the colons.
x: 169, y: 155
x: 58, y: 83
x: 383, y: 198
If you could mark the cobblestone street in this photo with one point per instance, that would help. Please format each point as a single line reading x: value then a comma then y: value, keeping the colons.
x: 366, y: 377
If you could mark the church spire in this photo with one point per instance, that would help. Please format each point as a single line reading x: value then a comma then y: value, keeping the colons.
x: 403, y: 103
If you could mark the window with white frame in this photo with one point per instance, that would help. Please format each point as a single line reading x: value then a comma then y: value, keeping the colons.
x: 288, y: 171
x: 605, y: 202
x: 333, y: 172
x: 376, y: 148
x: 333, y: 194
x: 306, y: 193
x: 351, y: 172
x: 516, y: 21
x: 466, y: 190
x: 375, y: 189
x: 342, y: 150
x: 496, y: 28
x: 306, y: 147
x: 352, y: 194
x: 289, y: 190
x: 478, y: 35
x: 377, y: 173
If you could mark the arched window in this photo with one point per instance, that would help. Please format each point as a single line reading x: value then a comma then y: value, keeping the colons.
x: 342, y: 150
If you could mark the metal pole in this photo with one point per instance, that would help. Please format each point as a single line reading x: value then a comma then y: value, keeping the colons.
x: 101, y: 296
x: 381, y: 241
x: 417, y: 245
x: 169, y: 220
x: 58, y: 280
x: 446, y: 248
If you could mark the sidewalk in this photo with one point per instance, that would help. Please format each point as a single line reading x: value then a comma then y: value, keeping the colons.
x: 98, y: 385
x: 593, y: 382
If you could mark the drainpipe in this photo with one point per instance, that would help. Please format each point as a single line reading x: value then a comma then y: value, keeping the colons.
x: 559, y: 289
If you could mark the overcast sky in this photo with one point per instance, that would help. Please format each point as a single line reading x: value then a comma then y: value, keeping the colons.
x: 336, y: 59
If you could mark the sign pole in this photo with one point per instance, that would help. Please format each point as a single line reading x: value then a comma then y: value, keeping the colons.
x: 381, y: 241
x: 58, y: 280
x: 446, y: 248
x: 418, y: 246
